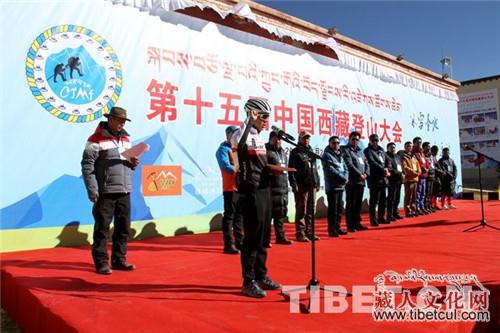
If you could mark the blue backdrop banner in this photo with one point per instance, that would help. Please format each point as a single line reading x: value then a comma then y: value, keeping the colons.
x: 183, y: 80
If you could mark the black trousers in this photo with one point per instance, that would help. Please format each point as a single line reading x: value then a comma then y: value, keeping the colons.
x: 354, y: 201
x: 436, y: 187
x: 279, y: 212
x: 393, y: 199
x: 377, y: 202
x: 232, y: 221
x: 256, y: 210
x: 334, y: 210
x: 111, y: 207
x: 428, y: 193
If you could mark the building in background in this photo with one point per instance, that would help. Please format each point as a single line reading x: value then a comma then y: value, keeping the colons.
x: 479, y: 123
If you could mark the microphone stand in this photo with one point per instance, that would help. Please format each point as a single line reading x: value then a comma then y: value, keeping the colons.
x: 483, y: 222
x: 313, y: 282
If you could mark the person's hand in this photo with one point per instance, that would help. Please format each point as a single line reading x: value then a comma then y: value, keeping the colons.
x: 344, y: 182
x: 295, y: 189
x: 363, y: 176
x: 387, y: 173
x: 93, y: 199
x: 134, y: 161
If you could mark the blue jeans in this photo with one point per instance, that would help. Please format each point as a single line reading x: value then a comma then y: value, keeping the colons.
x: 421, y: 194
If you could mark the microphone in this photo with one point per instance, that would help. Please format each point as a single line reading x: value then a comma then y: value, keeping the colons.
x: 282, y: 133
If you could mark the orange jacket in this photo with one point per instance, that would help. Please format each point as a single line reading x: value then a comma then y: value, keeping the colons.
x: 424, y: 164
x: 411, y: 168
x: 225, y: 160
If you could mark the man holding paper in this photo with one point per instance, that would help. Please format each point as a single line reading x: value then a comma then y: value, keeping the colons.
x: 108, y: 178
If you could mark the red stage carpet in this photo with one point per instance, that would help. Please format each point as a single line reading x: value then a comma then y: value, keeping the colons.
x: 185, y: 283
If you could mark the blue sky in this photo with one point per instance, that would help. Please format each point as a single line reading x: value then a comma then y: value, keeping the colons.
x: 468, y: 32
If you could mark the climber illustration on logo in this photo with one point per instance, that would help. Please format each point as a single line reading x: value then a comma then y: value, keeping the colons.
x: 73, y: 73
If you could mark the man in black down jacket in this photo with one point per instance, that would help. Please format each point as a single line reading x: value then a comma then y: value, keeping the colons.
x: 358, y: 172
x: 449, y: 168
x: 395, y: 168
x: 377, y: 180
x: 279, y: 191
x: 305, y: 184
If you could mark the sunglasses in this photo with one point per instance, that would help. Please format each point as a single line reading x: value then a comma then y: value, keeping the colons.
x: 264, y: 117
x: 355, y: 139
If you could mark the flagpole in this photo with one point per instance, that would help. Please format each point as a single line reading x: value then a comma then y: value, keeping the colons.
x: 483, y: 222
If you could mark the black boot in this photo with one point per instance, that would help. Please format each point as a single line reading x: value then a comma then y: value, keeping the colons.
x: 231, y: 249
x: 283, y: 241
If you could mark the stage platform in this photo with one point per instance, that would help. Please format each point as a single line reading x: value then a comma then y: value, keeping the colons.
x: 186, y: 284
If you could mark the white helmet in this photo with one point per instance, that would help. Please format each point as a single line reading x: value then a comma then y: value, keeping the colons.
x: 258, y: 104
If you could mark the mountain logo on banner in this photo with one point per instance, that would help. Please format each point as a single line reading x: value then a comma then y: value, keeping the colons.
x: 161, y: 180
x: 73, y: 73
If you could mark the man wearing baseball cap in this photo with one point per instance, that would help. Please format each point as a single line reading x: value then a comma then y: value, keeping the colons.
x: 108, y: 179
x: 305, y: 184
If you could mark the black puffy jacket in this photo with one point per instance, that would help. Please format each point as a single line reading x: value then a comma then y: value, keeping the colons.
x: 279, y: 183
x: 395, y: 167
x: 378, y: 163
x: 307, y: 170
